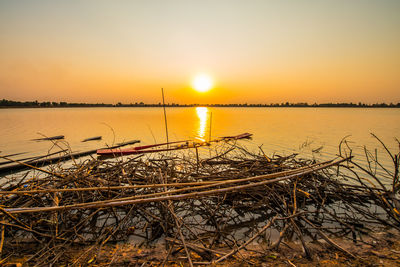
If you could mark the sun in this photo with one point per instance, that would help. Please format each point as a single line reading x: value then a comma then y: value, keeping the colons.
x: 202, y: 83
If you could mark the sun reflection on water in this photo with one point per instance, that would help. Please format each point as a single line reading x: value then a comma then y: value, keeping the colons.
x: 202, y: 113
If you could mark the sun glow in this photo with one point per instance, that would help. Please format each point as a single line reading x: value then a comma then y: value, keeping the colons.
x: 202, y: 83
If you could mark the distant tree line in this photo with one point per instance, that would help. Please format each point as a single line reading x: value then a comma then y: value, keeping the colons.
x: 36, y: 104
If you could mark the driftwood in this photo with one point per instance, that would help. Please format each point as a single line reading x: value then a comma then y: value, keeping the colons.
x: 212, y: 207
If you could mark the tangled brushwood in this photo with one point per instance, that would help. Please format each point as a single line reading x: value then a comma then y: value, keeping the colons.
x: 205, y: 208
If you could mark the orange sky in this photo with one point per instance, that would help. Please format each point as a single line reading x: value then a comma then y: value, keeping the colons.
x: 255, y: 51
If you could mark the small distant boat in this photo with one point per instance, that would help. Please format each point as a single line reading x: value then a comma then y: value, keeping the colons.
x: 57, y: 137
x: 177, y: 145
x: 91, y: 139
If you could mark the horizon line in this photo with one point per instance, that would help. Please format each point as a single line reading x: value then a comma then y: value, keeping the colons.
x: 49, y: 104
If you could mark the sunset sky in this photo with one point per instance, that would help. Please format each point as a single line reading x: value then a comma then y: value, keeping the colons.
x: 253, y: 51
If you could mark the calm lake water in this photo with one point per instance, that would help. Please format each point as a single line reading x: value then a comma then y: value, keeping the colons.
x: 279, y: 130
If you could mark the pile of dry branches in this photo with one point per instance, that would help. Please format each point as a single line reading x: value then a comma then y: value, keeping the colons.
x: 214, y: 205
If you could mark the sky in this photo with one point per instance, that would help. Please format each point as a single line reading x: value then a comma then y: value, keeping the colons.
x: 254, y: 51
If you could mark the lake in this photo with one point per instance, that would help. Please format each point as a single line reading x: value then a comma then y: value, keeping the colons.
x: 310, y: 131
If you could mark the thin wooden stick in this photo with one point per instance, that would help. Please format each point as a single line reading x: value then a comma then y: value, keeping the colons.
x: 197, y: 159
x: 236, y: 250
x: 165, y: 116
x: 327, y: 239
x: 209, y: 138
x: 104, y: 188
x: 3, y: 227
x: 178, y: 228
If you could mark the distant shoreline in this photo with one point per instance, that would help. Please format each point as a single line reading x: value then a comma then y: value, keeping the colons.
x: 190, y: 106
x: 35, y: 104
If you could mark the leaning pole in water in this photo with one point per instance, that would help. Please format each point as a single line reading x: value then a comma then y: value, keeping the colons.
x: 165, y: 115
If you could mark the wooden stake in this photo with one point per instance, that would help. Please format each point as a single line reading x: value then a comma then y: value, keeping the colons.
x: 209, y: 138
x: 165, y: 115
x: 197, y: 158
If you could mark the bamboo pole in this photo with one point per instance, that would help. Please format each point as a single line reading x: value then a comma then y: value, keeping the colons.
x: 209, y: 137
x: 165, y: 116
